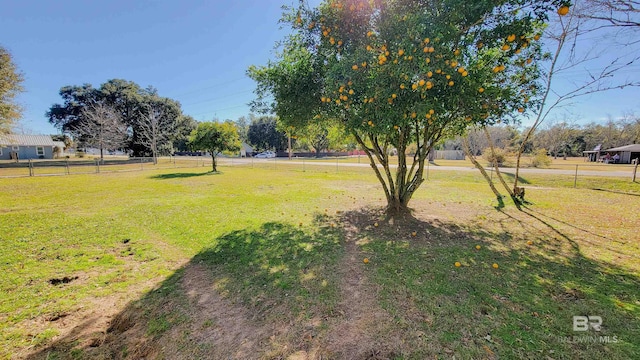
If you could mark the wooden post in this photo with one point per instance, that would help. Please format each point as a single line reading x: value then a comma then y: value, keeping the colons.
x: 575, y: 178
x: 635, y: 169
x: 30, y: 168
x: 67, y: 167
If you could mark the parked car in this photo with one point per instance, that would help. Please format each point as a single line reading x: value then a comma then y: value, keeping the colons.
x: 266, y: 155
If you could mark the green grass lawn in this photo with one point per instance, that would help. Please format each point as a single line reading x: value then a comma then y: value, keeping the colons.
x: 268, y: 263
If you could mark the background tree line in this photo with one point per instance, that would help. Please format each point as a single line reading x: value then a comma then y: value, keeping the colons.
x: 121, y: 115
x: 558, y: 138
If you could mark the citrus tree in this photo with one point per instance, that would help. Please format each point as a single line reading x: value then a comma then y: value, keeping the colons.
x: 400, y: 72
x: 215, y: 138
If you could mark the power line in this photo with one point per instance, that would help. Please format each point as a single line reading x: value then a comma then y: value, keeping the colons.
x: 210, y: 87
x: 217, y: 110
x: 218, y: 97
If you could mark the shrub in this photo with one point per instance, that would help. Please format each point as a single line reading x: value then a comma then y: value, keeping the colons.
x: 498, y: 157
x: 411, y: 149
x: 540, y: 159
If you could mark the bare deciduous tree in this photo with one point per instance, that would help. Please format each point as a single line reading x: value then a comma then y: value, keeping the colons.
x: 102, y: 127
x: 155, y: 129
x: 570, y: 57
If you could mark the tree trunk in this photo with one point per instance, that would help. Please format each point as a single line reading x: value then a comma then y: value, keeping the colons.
x: 495, y: 165
x: 213, y: 162
x: 467, y: 151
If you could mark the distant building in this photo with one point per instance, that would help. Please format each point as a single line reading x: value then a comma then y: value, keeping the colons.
x: 24, y: 147
x: 625, y: 153
x: 246, y: 150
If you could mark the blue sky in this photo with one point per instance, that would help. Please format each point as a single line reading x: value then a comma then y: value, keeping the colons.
x: 194, y: 51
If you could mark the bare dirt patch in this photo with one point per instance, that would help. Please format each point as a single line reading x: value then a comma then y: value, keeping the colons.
x: 362, y: 330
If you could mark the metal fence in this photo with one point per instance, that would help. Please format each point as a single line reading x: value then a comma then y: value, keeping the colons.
x: 570, y: 175
x: 88, y: 166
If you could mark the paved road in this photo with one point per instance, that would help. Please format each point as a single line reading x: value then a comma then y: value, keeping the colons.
x: 523, y: 171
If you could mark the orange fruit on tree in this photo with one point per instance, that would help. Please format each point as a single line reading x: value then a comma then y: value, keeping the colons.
x: 394, y: 96
x: 457, y: 264
x: 506, y: 47
x: 451, y: 83
x: 520, y: 110
x: 481, y: 90
x: 563, y: 10
x: 536, y: 37
x: 354, y: 67
x: 511, y: 38
x: 414, y: 233
x: 400, y: 52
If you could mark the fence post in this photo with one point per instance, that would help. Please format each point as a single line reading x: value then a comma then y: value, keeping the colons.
x: 97, y: 166
x: 67, y: 167
x: 575, y: 178
x: 30, y: 168
x: 635, y: 169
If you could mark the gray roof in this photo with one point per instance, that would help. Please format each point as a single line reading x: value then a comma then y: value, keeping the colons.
x: 630, y: 148
x: 26, y: 140
x: 246, y: 147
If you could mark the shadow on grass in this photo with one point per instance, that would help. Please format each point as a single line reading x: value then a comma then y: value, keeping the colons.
x: 182, y: 175
x: 616, y: 192
x: 271, y: 293
x: 524, y: 308
x: 230, y: 301
x: 512, y: 177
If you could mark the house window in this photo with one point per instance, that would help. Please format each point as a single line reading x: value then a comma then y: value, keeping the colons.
x: 40, y: 151
x: 15, y: 148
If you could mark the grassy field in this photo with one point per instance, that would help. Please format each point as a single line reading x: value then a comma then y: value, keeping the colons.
x: 270, y: 263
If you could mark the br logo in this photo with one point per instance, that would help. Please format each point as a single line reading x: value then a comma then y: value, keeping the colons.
x: 584, y: 323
